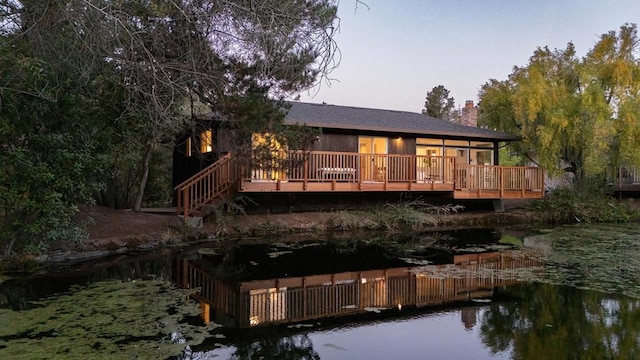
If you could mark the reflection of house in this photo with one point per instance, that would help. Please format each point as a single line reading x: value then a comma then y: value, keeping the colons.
x: 469, y: 317
x: 365, y: 150
x: 294, y: 299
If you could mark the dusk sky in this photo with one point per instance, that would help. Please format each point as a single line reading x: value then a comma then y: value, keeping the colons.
x: 394, y: 52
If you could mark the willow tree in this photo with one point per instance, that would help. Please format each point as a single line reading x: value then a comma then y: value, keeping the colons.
x: 575, y: 114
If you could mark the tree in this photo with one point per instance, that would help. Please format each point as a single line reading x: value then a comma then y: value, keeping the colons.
x: 128, y: 66
x: 575, y: 114
x: 47, y: 154
x: 439, y: 105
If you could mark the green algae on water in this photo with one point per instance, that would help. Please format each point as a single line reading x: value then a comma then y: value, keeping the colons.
x: 601, y: 257
x: 132, y: 320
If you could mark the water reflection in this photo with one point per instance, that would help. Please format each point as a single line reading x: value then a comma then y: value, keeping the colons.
x: 561, y: 322
x: 287, y: 299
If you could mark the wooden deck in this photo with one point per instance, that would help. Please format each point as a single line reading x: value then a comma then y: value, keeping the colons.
x: 353, y: 172
x: 627, y: 178
x: 321, y: 171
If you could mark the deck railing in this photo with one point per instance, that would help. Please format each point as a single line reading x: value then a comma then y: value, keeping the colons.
x: 356, y: 167
x: 207, y: 185
x: 316, y: 166
x: 321, y: 166
x: 492, y: 177
x: 627, y: 176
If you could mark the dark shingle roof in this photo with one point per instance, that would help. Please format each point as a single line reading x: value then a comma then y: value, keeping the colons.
x: 347, y: 117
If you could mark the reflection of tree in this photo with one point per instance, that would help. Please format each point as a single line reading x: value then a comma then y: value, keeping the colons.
x: 287, y: 348
x: 551, y: 322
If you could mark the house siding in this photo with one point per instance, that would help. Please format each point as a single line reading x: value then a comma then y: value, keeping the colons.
x: 402, y: 146
x: 337, y: 142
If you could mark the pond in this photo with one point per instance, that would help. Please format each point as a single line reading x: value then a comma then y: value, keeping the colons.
x: 569, y: 292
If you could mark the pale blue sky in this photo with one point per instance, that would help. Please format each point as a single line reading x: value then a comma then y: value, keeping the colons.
x: 396, y: 51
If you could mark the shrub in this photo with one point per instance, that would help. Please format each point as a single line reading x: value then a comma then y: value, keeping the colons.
x: 581, y: 205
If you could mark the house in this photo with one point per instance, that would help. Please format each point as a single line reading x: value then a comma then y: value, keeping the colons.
x: 343, y: 287
x: 362, y: 150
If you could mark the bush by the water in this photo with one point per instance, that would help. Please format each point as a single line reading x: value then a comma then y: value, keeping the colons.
x: 581, y: 205
x: 413, y: 215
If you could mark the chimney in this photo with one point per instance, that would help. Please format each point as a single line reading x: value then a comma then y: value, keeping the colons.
x: 469, y: 114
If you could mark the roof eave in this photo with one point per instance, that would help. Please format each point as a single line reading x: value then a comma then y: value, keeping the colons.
x: 499, y: 137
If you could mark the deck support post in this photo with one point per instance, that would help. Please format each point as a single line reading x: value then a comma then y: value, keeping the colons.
x: 498, y: 206
x: 185, y: 197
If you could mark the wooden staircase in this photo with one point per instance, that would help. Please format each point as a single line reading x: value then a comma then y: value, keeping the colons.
x: 214, y: 183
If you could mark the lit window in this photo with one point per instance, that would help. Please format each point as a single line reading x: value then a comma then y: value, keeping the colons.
x: 206, y: 141
x: 425, y: 141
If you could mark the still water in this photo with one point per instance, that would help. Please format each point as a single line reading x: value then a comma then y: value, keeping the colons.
x: 567, y: 293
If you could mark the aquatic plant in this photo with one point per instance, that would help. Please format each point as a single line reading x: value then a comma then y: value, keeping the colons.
x: 602, y: 257
x: 111, y: 319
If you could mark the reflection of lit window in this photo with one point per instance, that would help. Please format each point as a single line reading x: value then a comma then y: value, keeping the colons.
x: 188, y: 150
x: 206, y: 141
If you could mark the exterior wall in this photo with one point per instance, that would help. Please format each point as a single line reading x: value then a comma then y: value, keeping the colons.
x: 402, y: 146
x: 185, y: 166
x: 223, y: 142
x: 337, y: 142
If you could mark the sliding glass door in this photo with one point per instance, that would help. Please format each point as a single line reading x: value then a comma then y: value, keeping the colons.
x: 372, y: 166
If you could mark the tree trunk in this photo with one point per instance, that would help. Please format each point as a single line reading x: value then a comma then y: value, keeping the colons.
x: 9, y: 247
x: 145, y: 174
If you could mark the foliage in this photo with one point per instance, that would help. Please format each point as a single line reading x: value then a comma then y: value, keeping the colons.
x: 578, y: 114
x: 575, y: 205
x: 48, y: 164
x: 438, y: 104
x: 223, y: 213
x: 508, y: 157
x: 548, y: 322
x: 124, y: 173
x: 411, y: 215
x: 92, y: 89
x: 348, y: 220
x: 587, y: 293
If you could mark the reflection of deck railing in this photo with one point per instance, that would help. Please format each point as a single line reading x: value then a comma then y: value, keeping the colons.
x: 312, y: 297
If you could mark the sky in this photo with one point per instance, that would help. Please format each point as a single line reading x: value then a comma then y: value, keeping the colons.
x: 394, y: 52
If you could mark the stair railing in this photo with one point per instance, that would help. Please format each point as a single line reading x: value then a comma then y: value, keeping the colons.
x: 204, y: 187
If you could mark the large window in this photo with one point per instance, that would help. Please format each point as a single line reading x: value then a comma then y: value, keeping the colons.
x: 481, y: 157
x: 464, y: 151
